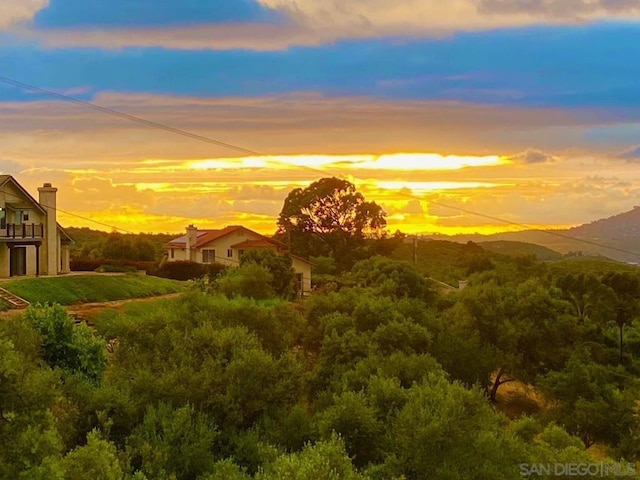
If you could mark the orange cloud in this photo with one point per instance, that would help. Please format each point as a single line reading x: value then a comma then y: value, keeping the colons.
x: 458, y: 156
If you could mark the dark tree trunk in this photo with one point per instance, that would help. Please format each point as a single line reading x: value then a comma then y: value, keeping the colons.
x: 497, y: 382
x: 496, y: 385
x: 621, y: 344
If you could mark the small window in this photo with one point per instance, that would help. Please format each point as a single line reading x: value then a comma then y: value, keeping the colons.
x: 229, y: 253
x: 25, y: 217
x: 240, y: 253
x: 173, y: 254
x: 208, y: 256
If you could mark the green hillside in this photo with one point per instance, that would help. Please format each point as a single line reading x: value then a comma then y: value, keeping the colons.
x: 442, y: 260
x: 67, y: 290
x: 590, y: 264
x: 515, y: 249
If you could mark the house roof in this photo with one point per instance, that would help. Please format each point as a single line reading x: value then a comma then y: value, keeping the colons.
x: 4, y: 179
x: 204, y: 237
x: 255, y: 244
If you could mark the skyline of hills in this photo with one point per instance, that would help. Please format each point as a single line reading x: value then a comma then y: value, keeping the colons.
x: 616, y: 237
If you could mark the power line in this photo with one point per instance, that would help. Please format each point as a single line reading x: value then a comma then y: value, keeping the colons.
x: 203, y: 138
x: 94, y: 221
x: 522, y: 225
x: 76, y: 215
x: 125, y: 116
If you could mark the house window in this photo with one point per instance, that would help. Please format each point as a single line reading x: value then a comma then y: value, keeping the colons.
x: 229, y: 253
x: 208, y: 256
x: 240, y: 253
x: 25, y: 216
x: 172, y: 253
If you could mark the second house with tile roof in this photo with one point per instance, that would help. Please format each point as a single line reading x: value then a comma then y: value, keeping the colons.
x: 227, y: 245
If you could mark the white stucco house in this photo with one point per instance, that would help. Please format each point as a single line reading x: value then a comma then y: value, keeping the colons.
x: 31, y: 240
x: 227, y: 245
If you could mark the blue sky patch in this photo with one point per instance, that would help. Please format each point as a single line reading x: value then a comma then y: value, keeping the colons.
x: 146, y: 13
x: 583, y: 66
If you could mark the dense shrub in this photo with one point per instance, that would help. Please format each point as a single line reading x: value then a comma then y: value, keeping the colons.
x: 393, y: 278
x: 91, y: 265
x: 188, y: 270
x: 72, y: 348
x: 250, y: 280
x: 116, y: 268
x: 279, y: 266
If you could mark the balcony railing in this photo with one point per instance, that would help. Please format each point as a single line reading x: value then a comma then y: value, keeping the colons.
x: 22, y: 230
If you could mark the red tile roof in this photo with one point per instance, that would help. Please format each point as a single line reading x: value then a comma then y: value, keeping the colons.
x: 256, y: 243
x: 206, y: 236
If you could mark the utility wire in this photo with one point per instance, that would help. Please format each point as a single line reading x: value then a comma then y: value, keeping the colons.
x: 125, y: 116
x: 237, y: 148
x: 75, y: 215
x: 518, y: 224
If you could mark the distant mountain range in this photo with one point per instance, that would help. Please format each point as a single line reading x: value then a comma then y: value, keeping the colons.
x: 621, y: 232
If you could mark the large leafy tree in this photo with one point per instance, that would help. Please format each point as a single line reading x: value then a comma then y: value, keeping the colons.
x: 330, y: 217
x: 525, y: 326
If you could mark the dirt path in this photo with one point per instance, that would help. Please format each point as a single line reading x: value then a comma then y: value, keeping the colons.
x: 84, y: 310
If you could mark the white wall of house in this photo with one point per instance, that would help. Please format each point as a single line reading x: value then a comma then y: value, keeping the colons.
x: 303, y: 268
x: 178, y: 255
x: 31, y: 259
x: 15, y: 199
x: 223, y: 245
x: 19, y: 208
x: 226, y: 255
x: 4, y: 260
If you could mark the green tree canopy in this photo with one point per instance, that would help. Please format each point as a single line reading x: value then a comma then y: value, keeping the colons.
x: 329, y: 217
x: 73, y: 348
x: 279, y: 266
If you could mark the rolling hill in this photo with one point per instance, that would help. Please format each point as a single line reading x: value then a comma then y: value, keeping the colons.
x: 620, y: 232
x: 512, y: 248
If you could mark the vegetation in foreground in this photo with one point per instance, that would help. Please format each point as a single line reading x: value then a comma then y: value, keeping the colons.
x: 381, y: 380
x: 374, y: 376
x: 68, y: 290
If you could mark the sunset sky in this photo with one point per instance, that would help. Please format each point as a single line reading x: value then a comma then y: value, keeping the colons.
x: 526, y: 110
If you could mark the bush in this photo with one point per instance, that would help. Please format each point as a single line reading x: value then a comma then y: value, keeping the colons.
x: 250, y: 280
x: 393, y: 278
x: 116, y: 269
x: 188, y: 270
x: 73, y: 348
x: 91, y: 265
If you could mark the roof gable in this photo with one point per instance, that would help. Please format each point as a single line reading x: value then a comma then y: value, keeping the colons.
x: 8, y: 179
x: 207, y: 236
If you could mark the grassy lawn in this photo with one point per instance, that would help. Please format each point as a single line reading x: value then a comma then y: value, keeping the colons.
x: 68, y: 290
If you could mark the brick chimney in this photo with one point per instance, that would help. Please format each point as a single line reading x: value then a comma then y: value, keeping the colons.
x: 192, y: 240
x: 50, y: 257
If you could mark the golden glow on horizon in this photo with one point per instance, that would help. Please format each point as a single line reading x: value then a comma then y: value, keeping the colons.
x: 164, y: 195
x: 391, y: 162
x: 137, y: 221
x: 429, y: 187
x: 212, y: 187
